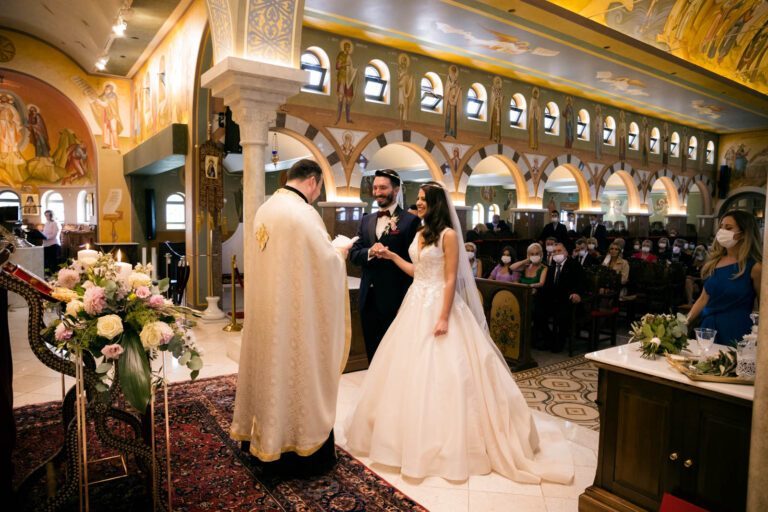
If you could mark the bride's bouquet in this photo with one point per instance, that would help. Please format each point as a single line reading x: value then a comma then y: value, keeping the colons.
x: 659, y: 334
x: 118, y: 315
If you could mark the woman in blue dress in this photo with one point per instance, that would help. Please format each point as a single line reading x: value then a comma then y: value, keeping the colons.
x: 731, y: 278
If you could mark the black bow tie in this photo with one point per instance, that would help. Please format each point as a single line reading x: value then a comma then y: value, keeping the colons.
x: 383, y: 213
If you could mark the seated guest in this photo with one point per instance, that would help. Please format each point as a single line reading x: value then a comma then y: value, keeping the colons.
x: 688, y: 248
x: 657, y: 228
x: 562, y: 291
x: 678, y: 255
x: 502, y: 271
x: 693, y: 274
x: 645, y: 253
x: 615, y: 262
x: 476, y: 233
x: 593, y: 246
x: 554, y: 229
x: 582, y: 256
x: 534, y: 272
x: 477, y: 265
x: 498, y: 226
x: 664, y: 253
x: 549, y: 248
x: 673, y: 233
x: 596, y: 230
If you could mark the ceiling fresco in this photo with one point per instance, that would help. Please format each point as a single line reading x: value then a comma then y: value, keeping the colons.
x: 729, y: 37
x: 528, y: 40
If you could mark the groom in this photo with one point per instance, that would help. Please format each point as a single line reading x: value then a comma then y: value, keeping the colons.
x: 383, y: 285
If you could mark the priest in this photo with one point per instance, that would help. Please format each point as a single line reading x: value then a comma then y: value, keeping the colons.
x: 297, y: 333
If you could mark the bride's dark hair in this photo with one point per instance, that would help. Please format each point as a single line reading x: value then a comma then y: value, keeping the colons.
x: 438, y: 216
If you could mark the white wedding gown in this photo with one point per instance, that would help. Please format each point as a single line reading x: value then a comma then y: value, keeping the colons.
x: 448, y: 406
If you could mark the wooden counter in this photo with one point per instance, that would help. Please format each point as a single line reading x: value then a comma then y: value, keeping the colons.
x: 661, y: 432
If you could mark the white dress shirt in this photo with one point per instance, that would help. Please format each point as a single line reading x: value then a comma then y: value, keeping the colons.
x: 52, y: 233
x: 381, y: 222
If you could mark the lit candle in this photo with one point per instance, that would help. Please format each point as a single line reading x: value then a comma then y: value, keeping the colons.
x: 144, y: 255
x: 123, y: 269
x: 87, y: 256
x: 154, y: 263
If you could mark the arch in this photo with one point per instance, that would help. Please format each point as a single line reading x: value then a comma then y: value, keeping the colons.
x: 719, y: 207
x: 552, y: 116
x: 709, y: 154
x: 323, y: 151
x: 633, y: 135
x: 609, y: 126
x: 381, y: 82
x: 430, y: 152
x: 432, y: 93
x: 672, y: 186
x: 577, y: 168
x: 674, y: 145
x: 519, y: 102
x: 655, y: 147
x: 324, y: 83
x: 517, y: 167
x: 692, y: 149
x: 477, y: 102
x: 583, y: 124
x: 222, y: 35
x: 631, y: 179
x: 706, y: 187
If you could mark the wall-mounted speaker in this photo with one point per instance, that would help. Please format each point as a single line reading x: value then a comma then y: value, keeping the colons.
x: 150, y: 212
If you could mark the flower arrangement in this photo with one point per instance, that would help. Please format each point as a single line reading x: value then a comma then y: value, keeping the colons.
x: 116, y: 313
x: 659, y: 334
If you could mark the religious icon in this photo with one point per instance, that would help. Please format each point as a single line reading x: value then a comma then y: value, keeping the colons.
x: 568, y: 117
x: 106, y: 110
x: 405, y: 89
x: 455, y: 159
x: 621, y: 134
x: 345, y: 80
x: 497, y: 97
x: 30, y: 204
x: 452, y: 101
x: 347, y: 145
x: 534, y: 115
x: 211, y: 167
x: 598, y: 131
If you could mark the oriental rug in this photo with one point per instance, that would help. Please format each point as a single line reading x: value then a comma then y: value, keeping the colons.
x: 567, y: 389
x: 209, y: 471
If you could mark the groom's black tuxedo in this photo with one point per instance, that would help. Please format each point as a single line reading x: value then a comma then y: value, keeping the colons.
x: 383, y: 285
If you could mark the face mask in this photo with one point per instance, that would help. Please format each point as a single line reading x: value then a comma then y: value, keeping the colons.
x: 685, y: 247
x: 700, y: 257
x: 662, y: 245
x: 593, y: 222
x: 550, y: 248
x: 471, y: 256
x: 676, y: 250
x: 554, y: 220
x: 583, y: 253
x: 591, y: 247
x: 725, y: 238
x: 506, y: 260
x: 637, y: 247
x: 559, y: 258
x: 646, y: 249
x: 535, y: 259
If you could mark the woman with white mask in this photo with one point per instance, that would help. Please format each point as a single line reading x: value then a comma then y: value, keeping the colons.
x: 534, y: 272
x: 474, y: 262
x: 731, y: 275
x: 503, y: 271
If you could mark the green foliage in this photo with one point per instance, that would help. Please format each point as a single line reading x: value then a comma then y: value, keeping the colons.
x: 134, y: 372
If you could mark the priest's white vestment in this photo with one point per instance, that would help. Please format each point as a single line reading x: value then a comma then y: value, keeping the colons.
x: 296, y: 335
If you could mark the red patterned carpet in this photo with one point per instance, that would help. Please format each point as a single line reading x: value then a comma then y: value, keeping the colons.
x: 210, y: 472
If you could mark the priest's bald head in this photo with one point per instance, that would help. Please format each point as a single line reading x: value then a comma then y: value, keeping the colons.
x: 306, y: 177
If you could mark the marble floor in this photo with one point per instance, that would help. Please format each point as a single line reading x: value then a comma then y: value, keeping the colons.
x: 35, y: 383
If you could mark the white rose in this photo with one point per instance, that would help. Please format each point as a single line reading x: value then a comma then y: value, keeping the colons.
x: 74, y: 307
x: 656, y: 341
x: 137, y: 279
x: 154, y: 334
x: 109, y: 326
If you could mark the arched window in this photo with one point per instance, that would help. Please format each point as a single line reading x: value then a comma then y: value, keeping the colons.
x: 493, y: 210
x: 53, y: 201
x: 551, y: 119
x: 609, y: 131
x: 477, y: 214
x: 82, y: 211
x: 316, y: 61
x: 9, y: 198
x: 674, y: 144
x: 517, y: 111
x: 477, y: 101
x: 432, y: 93
x: 633, y: 136
x: 710, y: 153
x: 693, y: 146
x: 175, y: 214
x: 582, y: 125
x: 653, y: 142
x: 376, y: 80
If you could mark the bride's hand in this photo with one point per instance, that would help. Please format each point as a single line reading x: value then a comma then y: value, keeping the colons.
x: 385, y: 254
x: 441, y: 328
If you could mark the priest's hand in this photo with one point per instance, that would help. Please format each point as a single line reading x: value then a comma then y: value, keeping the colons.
x: 441, y: 328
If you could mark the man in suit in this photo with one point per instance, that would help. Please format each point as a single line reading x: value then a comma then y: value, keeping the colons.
x: 555, y: 229
x: 561, y: 293
x: 498, y: 226
x: 582, y: 255
x: 596, y: 230
x: 383, y: 285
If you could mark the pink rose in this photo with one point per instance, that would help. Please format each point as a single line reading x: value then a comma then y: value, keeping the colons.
x: 143, y: 292
x: 94, y: 300
x: 68, y: 278
x: 155, y: 301
x: 62, y: 333
x: 112, y: 351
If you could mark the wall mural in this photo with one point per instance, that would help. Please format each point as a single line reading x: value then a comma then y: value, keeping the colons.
x: 452, y: 101
x: 405, y: 87
x: 746, y: 155
x: 729, y: 37
x: 502, y: 43
x: 346, y: 73
x: 43, y: 138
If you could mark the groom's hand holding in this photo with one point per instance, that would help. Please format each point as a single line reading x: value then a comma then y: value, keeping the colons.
x: 376, y: 250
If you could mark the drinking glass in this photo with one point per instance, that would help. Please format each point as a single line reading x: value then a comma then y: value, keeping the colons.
x: 705, y: 339
x: 745, y: 359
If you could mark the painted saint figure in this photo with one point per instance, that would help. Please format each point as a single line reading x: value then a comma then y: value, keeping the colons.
x: 452, y: 101
x: 621, y: 134
x: 598, y: 131
x: 570, y: 122
x: 684, y: 142
x: 405, y: 89
x: 12, y: 132
x: 38, y: 133
x: 665, y: 144
x: 497, y: 97
x: 106, y: 109
x: 345, y: 80
x: 644, y: 140
x: 534, y: 115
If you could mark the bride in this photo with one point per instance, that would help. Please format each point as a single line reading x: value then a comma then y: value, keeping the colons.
x: 439, y: 399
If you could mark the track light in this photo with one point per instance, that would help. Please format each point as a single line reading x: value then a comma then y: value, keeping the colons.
x: 119, y: 27
x: 101, y: 64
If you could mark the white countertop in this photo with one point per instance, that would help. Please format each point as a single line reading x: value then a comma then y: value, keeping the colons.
x: 628, y: 357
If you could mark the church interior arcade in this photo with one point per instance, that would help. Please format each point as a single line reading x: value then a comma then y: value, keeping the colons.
x: 149, y: 134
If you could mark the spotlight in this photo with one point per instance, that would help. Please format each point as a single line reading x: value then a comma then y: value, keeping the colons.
x: 101, y: 64
x: 119, y: 27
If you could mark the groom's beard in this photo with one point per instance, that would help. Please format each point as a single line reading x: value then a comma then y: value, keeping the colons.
x: 385, y: 201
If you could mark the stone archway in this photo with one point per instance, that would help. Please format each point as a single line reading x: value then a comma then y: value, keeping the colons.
x: 576, y: 167
x: 631, y: 179
x: 672, y: 186
x: 430, y: 152
x: 515, y: 163
x: 706, y: 187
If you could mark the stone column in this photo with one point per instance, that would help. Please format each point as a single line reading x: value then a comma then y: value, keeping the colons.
x: 705, y: 228
x: 254, y: 91
x: 757, y: 488
x: 638, y: 224
x: 677, y: 221
x: 528, y: 222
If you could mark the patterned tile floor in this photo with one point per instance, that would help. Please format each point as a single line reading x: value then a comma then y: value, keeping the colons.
x: 34, y: 383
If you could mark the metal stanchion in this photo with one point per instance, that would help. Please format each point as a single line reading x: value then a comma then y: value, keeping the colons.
x: 233, y: 326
